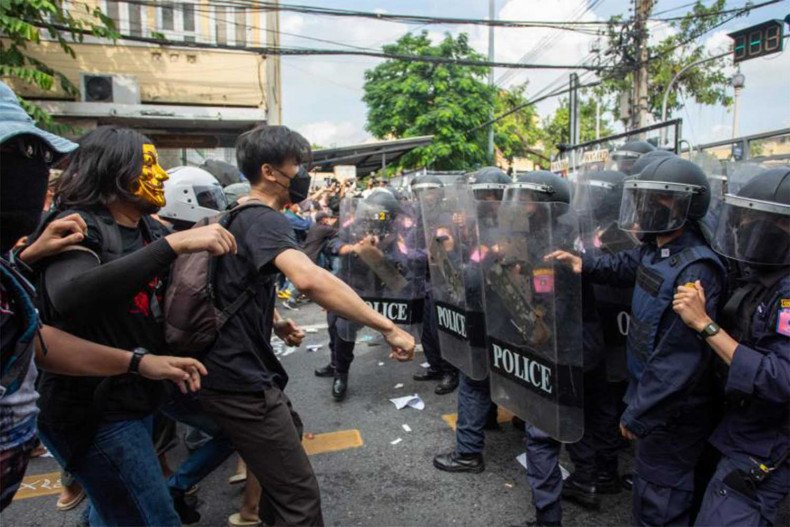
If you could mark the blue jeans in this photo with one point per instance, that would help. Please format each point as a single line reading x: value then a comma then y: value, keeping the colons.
x: 120, y: 473
x: 208, y: 456
x: 474, y: 403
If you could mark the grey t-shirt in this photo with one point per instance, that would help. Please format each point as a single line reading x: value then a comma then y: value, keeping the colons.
x: 242, y: 358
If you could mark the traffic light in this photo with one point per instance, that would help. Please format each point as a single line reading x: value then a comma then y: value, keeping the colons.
x: 757, y: 41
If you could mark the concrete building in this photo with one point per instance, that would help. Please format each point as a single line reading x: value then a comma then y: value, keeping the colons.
x: 192, y: 102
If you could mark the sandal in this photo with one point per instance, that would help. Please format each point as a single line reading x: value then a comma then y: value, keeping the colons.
x: 237, y: 478
x: 64, y: 506
x: 235, y: 520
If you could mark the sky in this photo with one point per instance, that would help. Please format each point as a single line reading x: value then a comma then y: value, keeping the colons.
x: 322, y: 95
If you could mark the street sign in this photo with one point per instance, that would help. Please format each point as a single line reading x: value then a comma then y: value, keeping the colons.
x: 757, y: 41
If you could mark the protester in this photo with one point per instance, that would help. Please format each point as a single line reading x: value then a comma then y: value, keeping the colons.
x: 245, y: 393
x: 109, y: 290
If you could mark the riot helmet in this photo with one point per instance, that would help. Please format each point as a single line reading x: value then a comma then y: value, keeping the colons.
x: 191, y: 194
x: 488, y: 184
x: 754, y: 225
x: 629, y: 153
x: 646, y: 159
x: 539, y: 186
x: 376, y: 213
x: 663, y: 196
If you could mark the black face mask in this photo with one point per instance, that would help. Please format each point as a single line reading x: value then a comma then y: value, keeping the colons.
x: 24, y: 187
x: 298, y: 186
x: 762, y: 242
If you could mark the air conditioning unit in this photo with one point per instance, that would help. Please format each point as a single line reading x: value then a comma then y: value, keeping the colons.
x: 118, y: 89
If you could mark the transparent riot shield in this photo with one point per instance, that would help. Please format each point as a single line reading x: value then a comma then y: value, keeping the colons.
x: 450, y: 224
x: 533, y: 317
x: 383, y: 263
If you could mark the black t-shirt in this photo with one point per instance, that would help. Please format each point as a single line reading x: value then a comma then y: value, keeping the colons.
x: 242, y: 358
x: 115, y: 303
x: 316, y: 239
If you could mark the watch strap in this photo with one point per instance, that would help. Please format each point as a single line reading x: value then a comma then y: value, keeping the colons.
x: 134, y: 363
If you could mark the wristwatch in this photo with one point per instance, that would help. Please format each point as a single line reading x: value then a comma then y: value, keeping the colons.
x: 137, y: 356
x: 709, y: 330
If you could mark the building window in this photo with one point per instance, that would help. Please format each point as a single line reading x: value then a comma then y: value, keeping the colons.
x: 129, y: 19
x: 177, y: 21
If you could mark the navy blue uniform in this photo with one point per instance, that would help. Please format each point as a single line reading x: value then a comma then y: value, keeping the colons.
x: 670, y: 396
x: 756, y: 425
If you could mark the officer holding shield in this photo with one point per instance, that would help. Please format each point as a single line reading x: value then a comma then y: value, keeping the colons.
x: 670, y: 397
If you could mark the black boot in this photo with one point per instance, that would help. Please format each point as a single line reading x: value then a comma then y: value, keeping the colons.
x: 186, y: 506
x: 428, y: 375
x: 448, y: 383
x: 340, y: 386
x: 454, y: 462
x: 609, y: 484
x: 326, y: 371
x: 585, y: 494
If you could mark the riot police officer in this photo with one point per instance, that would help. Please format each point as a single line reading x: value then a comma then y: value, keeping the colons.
x: 532, y: 190
x: 430, y: 187
x: 670, y: 397
x: 753, y: 350
x: 476, y: 412
x: 625, y: 156
x: 373, y: 239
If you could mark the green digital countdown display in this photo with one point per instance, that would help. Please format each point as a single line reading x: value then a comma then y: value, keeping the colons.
x: 757, y: 41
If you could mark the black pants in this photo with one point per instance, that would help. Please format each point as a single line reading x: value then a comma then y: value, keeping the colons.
x: 430, y: 338
x: 342, y: 350
x: 268, y: 434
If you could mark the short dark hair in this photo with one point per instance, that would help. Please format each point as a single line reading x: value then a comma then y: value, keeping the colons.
x: 103, y: 169
x: 274, y: 145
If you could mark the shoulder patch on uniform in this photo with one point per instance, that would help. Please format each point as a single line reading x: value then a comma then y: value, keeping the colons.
x: 785, y: 303
x: 783, y: 322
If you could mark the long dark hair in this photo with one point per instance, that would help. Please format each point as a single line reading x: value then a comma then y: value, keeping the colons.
x: 103, y: 169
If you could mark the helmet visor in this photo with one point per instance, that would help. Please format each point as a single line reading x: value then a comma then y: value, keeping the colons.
x: 211, y: 197
x: 654, y: 206
x: 753, y: 231
x: 488, y: 191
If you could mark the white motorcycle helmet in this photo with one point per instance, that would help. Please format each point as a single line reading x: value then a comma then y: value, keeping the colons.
x: 191, y: 194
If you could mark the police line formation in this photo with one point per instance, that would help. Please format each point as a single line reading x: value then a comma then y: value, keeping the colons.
x: 632, y: 303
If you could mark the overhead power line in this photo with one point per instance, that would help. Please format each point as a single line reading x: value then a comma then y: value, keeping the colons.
x: 279, y: 50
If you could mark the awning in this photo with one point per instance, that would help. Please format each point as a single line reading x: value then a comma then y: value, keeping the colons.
x: 367, y: 157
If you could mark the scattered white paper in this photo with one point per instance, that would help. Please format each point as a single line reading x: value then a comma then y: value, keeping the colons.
x: 396, y: 441
x: 522, y: 458
x: 409, y: 400
x: 406, y: 427
x: 425, y: 365
x: 399, y: 385
x: 381, y: 364
x: 314, y: 347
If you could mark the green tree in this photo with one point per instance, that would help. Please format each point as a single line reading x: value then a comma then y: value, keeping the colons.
x: 556, y: 128
x: 519, y: 133
x: 407, y: 99
x: 705, y: 83
x: 22, y: 22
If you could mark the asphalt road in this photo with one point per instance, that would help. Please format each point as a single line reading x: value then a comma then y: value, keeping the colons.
x: 378, y: 483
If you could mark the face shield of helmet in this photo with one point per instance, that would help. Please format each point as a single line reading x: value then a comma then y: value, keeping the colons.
x: 753, y: 231
x: 655, y: 206
x: 488, y: 191
x: 211, y: 197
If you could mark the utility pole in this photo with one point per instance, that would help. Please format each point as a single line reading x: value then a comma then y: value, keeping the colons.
x: 491, y: 10
x: 573, y: 110
x: 639, y: 98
